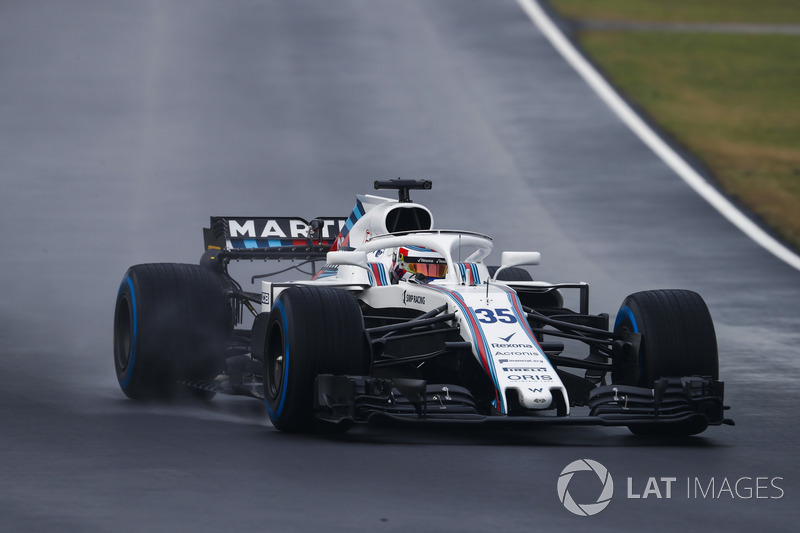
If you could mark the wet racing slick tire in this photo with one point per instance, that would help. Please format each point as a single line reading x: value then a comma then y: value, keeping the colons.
x: 540, y: 301
x: 511, y: 274
x: 310, y: 331
x: 678, y: 340
x: 172, y: 323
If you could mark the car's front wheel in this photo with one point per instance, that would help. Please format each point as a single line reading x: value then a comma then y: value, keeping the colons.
x: 678, y: 340
x: 310, y: 331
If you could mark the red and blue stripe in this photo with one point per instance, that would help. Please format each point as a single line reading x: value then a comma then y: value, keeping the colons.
x: 344, y: 236
x: 481, y: 343
x: 249, y: 244
x: 377, y: 274
x: 516, y: 307
x: 473, y: 270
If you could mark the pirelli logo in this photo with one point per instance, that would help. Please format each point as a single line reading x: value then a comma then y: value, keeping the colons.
x: 524, y: 369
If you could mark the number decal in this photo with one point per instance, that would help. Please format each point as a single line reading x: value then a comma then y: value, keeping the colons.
x: 487, y: 316
x: 505, y: 315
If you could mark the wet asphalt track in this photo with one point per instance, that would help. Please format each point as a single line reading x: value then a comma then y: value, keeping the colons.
x: 123, y: 126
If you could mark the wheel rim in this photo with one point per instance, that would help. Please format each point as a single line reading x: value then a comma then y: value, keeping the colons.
x: 275, y: 363
x: 625, y: 325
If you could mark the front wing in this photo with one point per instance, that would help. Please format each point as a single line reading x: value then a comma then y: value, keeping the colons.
x: 366, y: 399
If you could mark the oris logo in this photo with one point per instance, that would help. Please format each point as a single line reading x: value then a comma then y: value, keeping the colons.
x: 589, y: 466
x: 530, y: 377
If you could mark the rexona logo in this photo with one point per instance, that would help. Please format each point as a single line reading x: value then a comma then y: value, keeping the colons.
x: 590, y: 467
x: 507, y: 345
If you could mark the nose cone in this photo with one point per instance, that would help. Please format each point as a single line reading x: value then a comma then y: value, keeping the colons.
x: 535, y: 397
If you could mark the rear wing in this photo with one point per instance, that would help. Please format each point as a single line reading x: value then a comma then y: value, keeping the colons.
x: 272, y: 237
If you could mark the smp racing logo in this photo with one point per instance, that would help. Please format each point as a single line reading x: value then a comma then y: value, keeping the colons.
x: 412, y: 299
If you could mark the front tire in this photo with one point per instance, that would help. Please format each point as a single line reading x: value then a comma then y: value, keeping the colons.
x: 678, y: 340
x: 171, y: 323
x: 311, y: 331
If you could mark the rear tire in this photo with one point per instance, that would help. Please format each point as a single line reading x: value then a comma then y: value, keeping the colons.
x: 171, y: 324
x: 511, y: 274
x: 311, y: 331
x: 678, y: 340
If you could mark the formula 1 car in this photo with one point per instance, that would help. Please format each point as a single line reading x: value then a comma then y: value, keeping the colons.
x: 397, y: 327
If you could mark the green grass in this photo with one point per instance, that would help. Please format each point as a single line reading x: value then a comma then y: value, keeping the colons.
x: 733, y: 100
x: 743, y: 11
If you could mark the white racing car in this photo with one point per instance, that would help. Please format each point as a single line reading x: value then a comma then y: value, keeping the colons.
x: 406, y: 323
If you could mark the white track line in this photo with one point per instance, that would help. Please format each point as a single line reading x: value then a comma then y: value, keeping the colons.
x: 651, y: 138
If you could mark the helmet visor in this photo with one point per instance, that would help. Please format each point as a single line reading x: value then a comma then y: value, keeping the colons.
x: 430, y: 270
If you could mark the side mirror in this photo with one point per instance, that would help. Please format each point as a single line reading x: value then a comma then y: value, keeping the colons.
x: 351, y: 258
x: 514, y: 259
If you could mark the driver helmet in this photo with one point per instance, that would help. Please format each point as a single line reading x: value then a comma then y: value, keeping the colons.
x: 421, y: 264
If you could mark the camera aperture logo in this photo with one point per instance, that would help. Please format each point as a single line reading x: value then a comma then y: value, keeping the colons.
x: 590, y: 466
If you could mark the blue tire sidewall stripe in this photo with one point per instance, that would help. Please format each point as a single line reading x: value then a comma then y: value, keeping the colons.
x: 277, y: 413
x: 132, y: 356
x: 625, y: 312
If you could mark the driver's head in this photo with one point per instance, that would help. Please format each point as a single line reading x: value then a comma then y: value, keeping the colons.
x: 420, y: 262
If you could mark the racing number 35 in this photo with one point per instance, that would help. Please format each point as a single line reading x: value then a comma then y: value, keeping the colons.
x: 490, y: 316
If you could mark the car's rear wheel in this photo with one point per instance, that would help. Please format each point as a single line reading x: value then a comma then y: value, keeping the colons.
x: 171, y: 324
x: 311, y: 331
x: 678, y: 340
